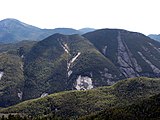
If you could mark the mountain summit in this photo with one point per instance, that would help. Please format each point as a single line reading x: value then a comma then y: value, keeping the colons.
x: 134, y: 54
x: 11, y: 23
x: 13, y: 30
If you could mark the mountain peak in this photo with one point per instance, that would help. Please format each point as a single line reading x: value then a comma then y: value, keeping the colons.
x: 13, y: 30
x: 9, y: 21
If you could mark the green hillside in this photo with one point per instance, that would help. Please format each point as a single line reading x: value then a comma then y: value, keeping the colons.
x: 12, y: 72
x: 147, y: 109
x: 11, y: 80
x: 73, y: 104
x: 19, y: 48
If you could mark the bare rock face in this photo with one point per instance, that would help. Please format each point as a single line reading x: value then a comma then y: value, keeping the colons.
x: 154, y: 68
x: 20, y: 95
x: 69, y: 64
x: 1, y: 74
x: 158, y: 50
x: 72, y: 60
x: 65, y: 47
x: 44, y: 95
x: 128, y: 65
x: 69, y: 73
x: 108, y: 76
x: 83, y: 83
x: 104, y: 49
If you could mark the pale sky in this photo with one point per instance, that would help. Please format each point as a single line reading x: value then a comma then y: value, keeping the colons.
x: 134, y: 15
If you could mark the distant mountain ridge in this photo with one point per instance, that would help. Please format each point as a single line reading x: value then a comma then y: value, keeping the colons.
x: 12, y: 30
x: 155, y: 37
x: 86, y: 30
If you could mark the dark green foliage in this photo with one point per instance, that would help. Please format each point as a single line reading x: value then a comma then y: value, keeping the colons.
x: 17, y: 48
x: 45, y: 68
x: 147, y: 109
x: 73, y: 104
x: 12, y: 79
x: 11, y: 64
x: 23, y: 117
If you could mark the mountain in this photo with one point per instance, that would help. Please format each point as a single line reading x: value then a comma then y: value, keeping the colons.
x: 64, y: 31
x: 62, y: 62
x: 75, y: 62
x: 134, y: 54
x: 86, y: 30
x: 57, y: 63
x: 13, y: 30
x: 74, y: 104
x: 154, y: 37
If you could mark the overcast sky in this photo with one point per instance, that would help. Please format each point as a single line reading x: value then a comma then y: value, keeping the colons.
x: 134, y: 15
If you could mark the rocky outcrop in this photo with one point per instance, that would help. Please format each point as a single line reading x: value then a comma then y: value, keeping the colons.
x: 127, y: 64
x: 20, y: 95
x: 70, y: 63
x: 44, y: 94
x: 1, y: 74
x: 65, y: 47
x: 83, y: 83
x: 104, y: 49
x: 154, y: 68
x: 158, y: 50
x: 70, y: 72
x: 108, y: 77
x: 73, y: 59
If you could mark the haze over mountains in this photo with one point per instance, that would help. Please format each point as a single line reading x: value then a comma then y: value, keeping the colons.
x: 64, y: 59
x: 155, y: 37
x: 13, y: 30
